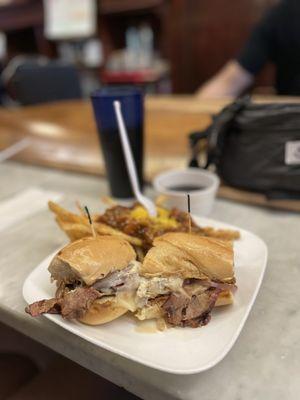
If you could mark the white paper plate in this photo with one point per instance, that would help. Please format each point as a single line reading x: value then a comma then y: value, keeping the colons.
x: 176, y: 350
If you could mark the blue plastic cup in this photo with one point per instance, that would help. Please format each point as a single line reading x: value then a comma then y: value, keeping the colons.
x: 132, y: 106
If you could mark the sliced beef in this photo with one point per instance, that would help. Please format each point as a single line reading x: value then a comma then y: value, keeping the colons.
x: 61, y: 271
x: 64, y: 288
x: 75, y: 304
x: 126, y: 279
x: 194, y: 311
x: 175, y: 307
x: 71, y: 305
x: 50, y: 306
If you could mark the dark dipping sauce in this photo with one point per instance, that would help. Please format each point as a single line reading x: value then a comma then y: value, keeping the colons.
x: 186, y: 188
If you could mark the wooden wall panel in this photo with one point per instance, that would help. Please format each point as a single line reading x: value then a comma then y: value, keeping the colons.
x: 204, y: 34
x: 197, y: 36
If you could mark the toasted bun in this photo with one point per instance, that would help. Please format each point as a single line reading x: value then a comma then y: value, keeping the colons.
x: 102, y: 311
x: 189, y: 256
x: 90, y: 259
x: 225, y: 298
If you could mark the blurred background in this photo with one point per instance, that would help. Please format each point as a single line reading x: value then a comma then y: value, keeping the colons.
x: 165, y: 46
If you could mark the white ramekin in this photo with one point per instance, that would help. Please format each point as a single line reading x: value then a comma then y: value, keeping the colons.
x: 202, y: 200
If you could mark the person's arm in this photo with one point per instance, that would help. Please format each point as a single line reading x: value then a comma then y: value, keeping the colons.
x: 231, y: 81
x: 238, y: 75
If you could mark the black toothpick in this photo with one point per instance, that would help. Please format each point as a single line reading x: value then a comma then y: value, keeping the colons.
x: 189, y: 212
x: 90, y: 220
x: 189, y: 203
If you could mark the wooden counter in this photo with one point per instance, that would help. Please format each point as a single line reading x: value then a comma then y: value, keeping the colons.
x: 63, y: 134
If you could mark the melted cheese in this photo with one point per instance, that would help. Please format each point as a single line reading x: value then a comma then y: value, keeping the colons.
x: 150, y: 288
x: 135, y: 296
x: 127, y: 300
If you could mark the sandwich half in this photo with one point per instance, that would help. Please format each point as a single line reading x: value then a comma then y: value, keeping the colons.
x: 95, y: 278
x: 183, y: 277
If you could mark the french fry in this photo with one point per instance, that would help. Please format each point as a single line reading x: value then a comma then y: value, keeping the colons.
x: 80, y: 208
x: 103, y: 229
x: 77, y: 226
x: 108, y: 201
x: 65, y: 215
x: 74, y: 231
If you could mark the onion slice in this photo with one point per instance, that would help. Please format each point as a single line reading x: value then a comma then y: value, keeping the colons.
x: 221, y: 286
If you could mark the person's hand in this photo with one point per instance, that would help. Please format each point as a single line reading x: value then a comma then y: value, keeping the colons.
x: 231, y: 81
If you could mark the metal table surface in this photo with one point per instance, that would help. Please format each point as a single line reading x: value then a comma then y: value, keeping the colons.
x: 264, y: 362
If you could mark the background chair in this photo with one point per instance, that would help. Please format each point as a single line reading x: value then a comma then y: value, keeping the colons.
x: 39, y: 81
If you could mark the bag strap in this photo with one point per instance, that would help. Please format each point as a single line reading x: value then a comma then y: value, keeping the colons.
x: 215, y: 133
x: 194, y: 140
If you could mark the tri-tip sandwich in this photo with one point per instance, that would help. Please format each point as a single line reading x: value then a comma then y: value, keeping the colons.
x: 182, y: 277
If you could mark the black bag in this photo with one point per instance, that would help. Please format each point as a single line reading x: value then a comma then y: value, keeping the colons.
x: 255, y: 147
